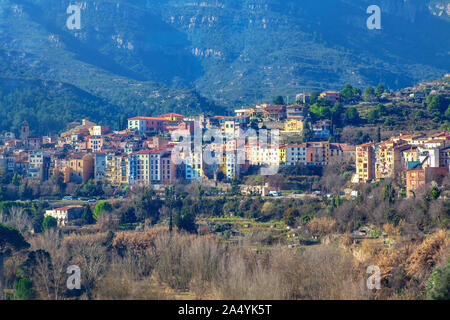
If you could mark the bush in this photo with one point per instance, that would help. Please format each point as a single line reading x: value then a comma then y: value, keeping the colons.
x: 48, y: 223
x: 289, y: 216
x: 320, y: 227
x: 101, y: 208
x: 24, y: 289
x: 438, y: 285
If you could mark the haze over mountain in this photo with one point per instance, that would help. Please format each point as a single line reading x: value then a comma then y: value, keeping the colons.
x: 155, y: 55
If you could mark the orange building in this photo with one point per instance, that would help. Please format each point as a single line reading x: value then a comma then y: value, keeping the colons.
x: 147, y: 124
x: 80, y: 168
x: 416, y: 178
x: 333, y: 96
x: 172, y: 116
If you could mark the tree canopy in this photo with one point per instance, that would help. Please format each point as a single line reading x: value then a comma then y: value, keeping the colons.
x: 11, y: 238
x: 101, y: 208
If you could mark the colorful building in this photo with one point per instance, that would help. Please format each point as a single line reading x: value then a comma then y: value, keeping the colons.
x: 294, y: 125
x: 365, y: 159
x: 146, y: 124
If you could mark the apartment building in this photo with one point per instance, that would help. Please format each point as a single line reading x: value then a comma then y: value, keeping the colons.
x: 365, y: 162
x: 296, y: 154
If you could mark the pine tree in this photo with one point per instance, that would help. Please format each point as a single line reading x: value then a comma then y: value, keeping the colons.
x: 87, y: 215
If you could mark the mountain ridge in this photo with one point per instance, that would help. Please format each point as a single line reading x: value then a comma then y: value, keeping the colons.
x: 231, y: 52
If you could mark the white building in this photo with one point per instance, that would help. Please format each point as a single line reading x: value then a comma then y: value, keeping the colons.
x: 295, y: 154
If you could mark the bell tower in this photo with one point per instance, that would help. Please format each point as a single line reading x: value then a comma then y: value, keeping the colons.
x: 24, y: 130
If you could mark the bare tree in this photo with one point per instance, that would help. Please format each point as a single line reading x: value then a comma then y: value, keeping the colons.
x: 18, y: 219
x: 50, y: 270
x: 90, y: 256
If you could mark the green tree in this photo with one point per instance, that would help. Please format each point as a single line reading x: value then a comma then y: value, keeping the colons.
x: 379, y: 90
x: 336, y: 113
x: 289, y: 216
x: 58, y: 180
x: 373, y: 116
x: 314, y: 97
x: 278, y: 100
x: 347, y: 93
x: 23, y: 289
x: 25, y: 191
x: 186, y: 222
x: 87, y: 215
x: 369, y: 93
x: 200, y: 192
x: 10, y: 240
x: 127, y: 216
x: 170, y: 197
x: 101, y: 208
x: 437, y: 105
x: 235, y: 188
x: 48, y: 223
x: 16, y: 179
x: 308, y: 133
x: 438, y: 285
x: 435, y: 192
x: 91, y: 189
x: 352, y: 116
x: 38, y: 218
x: 337, y: 201
x: 388, y: 193
x: 145, y: 206
x: 381, y: 109
x: 447, y: 113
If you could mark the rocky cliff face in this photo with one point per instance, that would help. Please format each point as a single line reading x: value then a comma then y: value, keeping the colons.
x: 233, y: 51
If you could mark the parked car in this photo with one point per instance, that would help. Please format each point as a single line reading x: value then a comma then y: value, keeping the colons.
x: 67, y: 198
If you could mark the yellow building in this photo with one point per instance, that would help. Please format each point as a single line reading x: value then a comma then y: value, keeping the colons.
x: 229, y: 128
x: 388, y: 158
x: 194, y: 166
x: 365, y: 162
x: 294, y: 125
x: 410, y: 155
x: 98, y: 130
x: 282, y: 154
x: 245, y: 112
x: 116, y: 169
x: 172, y: 116
x: 80, y: 168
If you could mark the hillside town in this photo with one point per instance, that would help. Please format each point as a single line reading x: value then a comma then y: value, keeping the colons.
x: 224, y: 156
x: 174, y: 148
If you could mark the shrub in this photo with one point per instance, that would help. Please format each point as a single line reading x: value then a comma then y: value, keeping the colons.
x: 48, y: 223
x: 438, y: 285
x: 101, y: 208
x: 320, y: 227
x: 24, y: 289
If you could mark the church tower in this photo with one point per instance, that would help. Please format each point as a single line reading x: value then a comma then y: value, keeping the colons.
x: 24, y: 130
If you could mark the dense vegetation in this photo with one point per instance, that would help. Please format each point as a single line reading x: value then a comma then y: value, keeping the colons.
x: 48, y: 106
x: 236, y: 52
x: 157, y: 258
x: 155, y: 242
